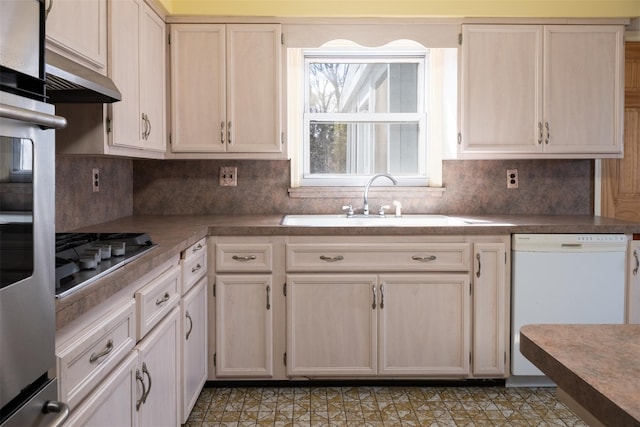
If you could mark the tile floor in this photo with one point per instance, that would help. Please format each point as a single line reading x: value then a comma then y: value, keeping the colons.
x: 380, y: 406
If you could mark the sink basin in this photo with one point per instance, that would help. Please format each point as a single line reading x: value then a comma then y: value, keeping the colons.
x: 372, y: 221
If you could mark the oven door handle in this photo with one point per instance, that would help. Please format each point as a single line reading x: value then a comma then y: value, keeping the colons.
x: 60, y: 408
x: 45, y: 121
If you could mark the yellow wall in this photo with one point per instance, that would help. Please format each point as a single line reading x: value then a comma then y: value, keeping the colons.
x: 423, y: 8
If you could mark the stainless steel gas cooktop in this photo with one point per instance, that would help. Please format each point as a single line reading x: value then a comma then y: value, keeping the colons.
x: 82, y: 258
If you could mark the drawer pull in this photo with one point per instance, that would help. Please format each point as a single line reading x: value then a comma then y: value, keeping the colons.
x: 164, y: 299
x: 196, y: 268
x: 197, y: 248
x: 243, y: 258
x: 188, y: 316
x: 95, y: 356
x: 331, y: 258
x: 144, y: 389
x: 381, y: 296
x: 635, y: 255
x: 479, y: 265
x: 424, y: 258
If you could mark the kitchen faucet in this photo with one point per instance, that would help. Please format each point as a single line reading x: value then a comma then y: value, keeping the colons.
x: 365, y: 210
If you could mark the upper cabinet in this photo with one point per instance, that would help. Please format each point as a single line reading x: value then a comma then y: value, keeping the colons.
x: 225, y: 91
x: 137, y: 64
x: 77, y: 29
x: 541, y: 91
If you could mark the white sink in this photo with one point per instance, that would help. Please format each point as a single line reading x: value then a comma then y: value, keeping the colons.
x: 372, y: 221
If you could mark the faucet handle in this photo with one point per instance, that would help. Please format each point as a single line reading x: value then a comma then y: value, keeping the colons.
x: 381, y: 209
x: 349, y: 209
x: 398, y: 207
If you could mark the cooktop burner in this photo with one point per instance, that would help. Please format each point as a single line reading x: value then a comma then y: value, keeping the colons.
x: 82, y: 258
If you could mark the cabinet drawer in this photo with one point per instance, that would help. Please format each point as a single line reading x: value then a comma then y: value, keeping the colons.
x: 244, y: 257
x: 378, y: 257
x: 195, y: 250
x: 194, y: 267
x: 156, y: 299
x: 87, y: 359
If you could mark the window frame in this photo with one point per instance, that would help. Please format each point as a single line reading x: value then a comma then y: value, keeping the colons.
x: 358, y: 54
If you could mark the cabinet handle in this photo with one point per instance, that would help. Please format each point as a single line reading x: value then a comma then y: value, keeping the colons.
x: 243, y: 258
x: 221, y: 132
x: 144, y: 127
x: 546, y: 125
x: 331, y: 258
x: 268, y: 297
x: 95, y: 356
x: 60, y: 408
x: 197, y: 248
x: 164, y: 299
x: 196, y: 268
x: 48, y: 9
x: 188, y: 316
x: 424, y: 258
x: 635, y: 255
x: 229, y: 131
x: 373, y: 290
x: 149, y: 127
x: 381, y: 296
x: 540, y: 136
x: 479, y: 264
x: 145, y: 371
x: 144, y: 389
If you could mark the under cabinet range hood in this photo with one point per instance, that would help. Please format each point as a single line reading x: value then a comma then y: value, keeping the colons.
x: 68, y: 82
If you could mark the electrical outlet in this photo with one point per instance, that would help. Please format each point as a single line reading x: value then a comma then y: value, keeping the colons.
x: 512, y: 178
x: 228, y: 176
x: 95, y: 179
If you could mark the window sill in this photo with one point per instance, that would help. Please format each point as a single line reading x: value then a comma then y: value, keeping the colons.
x: 350, y: 192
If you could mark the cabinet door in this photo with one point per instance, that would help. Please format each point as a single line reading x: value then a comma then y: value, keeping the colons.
x: 198, y: 91
x: 253, y: 88
x: 244, y: 326
x: 124, y: 65
x: 424, y: 324
x: 77, y: 29
x: 194, y: 345
x: 583, y: 88
x: 113, y: 402
x: 152, y: 81
x: 501, y: 89
x: 633, y: 282
x: 331, y: 325
x: 159, y: 367
x: 490, y: 309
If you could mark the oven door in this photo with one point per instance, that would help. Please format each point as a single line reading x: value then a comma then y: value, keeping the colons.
x: 27, y: 231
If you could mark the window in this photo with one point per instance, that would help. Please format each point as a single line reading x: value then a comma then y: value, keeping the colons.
x: 365, y: 111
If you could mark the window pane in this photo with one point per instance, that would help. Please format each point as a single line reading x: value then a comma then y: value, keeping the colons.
x: 364, y: 148
x: 347, y: 87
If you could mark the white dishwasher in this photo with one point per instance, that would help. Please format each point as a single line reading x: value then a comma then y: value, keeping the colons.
x: 564, y: 278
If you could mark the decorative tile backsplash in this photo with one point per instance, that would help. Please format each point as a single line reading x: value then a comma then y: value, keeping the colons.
x: 174, y: 187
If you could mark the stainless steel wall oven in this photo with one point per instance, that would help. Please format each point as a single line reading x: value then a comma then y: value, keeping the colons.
x: 28, y: 390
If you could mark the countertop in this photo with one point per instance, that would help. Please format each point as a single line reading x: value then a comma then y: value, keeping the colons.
x: 175, y: 233
x: 598, y: 366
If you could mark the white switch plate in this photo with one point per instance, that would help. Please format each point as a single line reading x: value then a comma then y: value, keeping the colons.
x: 228, y: 176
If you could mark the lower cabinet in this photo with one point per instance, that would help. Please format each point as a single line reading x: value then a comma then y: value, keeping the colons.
x: 397, y: 325
x: 193, y: 314
x: 633, y: 280
x: 142, y: 390
x: 244, y: 326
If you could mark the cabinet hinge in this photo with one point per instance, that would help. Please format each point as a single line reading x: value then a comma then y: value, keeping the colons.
x: 284, y: 289
x: 505, y: 258
x: 170, y: 142
x: 460, y: 39
x: 169, y: 38
x: 214, y: 359
x: 284, y: 359
x: 282, y: 138
x: 282, y: 38
x: 459, y: 138
x: 108, y: 124
x: 470, y: 359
